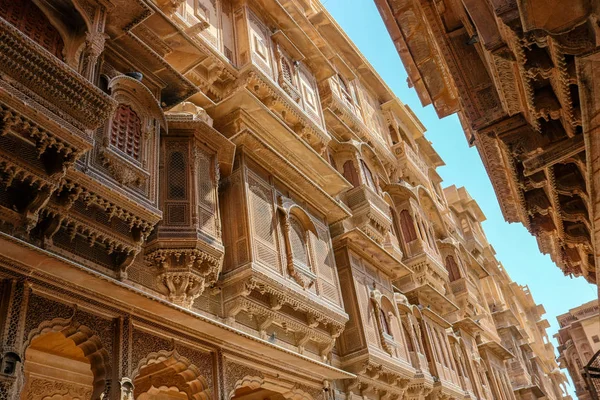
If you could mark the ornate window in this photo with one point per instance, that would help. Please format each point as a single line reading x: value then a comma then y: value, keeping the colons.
x: 452, y: 267
x: 26, y: 16
x: 350, y: 173
x: 298, y: 243
x: 176, y: 177
x: 286, y: 71
x: 408, y: 226
x: 368, y: 175
x: 296, y: 225
x: 126, y: 132
x: 385, y: 326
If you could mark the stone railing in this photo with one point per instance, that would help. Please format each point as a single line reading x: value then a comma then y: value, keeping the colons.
x: 63, y: 90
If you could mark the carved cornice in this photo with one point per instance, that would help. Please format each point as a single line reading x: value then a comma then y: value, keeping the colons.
x: 281, y: 295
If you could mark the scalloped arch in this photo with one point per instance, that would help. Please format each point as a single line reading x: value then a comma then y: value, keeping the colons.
x: 169, y: 369
x: 85, y: 339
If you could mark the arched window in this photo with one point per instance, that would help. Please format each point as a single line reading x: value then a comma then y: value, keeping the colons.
x: 368, y: 175
x: 126, y: 131
x: 452, y: 267
x: 298, y: 244
x: 29, y: 19
x: 385, y: 325
x: 408, y: 226
x: 176, y: 176
x: 407, y: 337
x: 350, y: 173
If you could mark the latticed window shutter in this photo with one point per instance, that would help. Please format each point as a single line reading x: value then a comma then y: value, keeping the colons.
x: 262, y: 214
x: 298, y: 243
x: 29, y: 19
x: 286, y: 70
x: 368, y: 175
x: 176, y: 177
x: 126, y: 131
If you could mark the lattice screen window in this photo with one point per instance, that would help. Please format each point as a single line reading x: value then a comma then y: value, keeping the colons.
x: 177, y: 189
x: 368, y: 175
x: 298, y: 243
x: 126, y: 132
x: 262, y: 214
x: 29, y: 19
x: 286, y: 70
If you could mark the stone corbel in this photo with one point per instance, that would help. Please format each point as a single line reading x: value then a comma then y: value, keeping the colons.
x: 31, y: 213
x: 185, y: 273
x: 302, y: 341
x: 263, y: 323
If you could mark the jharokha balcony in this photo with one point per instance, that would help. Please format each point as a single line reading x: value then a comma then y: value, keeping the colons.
x: 47, y: 111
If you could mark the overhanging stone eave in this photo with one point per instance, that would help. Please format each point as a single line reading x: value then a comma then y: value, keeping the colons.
x: 47, y: 266
x: 249, y: 110
x: 258, y: 150
x: 361, y: 243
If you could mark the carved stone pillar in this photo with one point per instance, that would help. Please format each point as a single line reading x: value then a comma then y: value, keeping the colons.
x: 94, y: 45
x: 12, y: 338
x: 124, y: 390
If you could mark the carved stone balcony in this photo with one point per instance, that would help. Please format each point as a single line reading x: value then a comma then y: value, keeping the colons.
x: 428, y: 283
x: 307, y: 125
x: 411, y: 164
x: 369, y: 213
x: 51, y: 83
x: 341, y: 115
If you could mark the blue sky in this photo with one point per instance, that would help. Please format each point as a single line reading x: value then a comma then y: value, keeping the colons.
x: 516, y: 249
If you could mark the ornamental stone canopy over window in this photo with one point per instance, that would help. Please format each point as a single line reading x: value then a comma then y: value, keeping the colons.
x: 216, y: 199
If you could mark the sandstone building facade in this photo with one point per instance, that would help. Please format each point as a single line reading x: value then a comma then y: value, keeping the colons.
x: 521, y: 76
x: 579, y: 341
x: 213, y: 199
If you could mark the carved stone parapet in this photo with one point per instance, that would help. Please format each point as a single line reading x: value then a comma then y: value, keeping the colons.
x: 32, y: 66
x: 288, y: 111
x: 122, y: 170
x: 185, y: 273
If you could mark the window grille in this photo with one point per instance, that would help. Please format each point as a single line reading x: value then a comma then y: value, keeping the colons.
x: 29, y: 19
x: 126, y: 132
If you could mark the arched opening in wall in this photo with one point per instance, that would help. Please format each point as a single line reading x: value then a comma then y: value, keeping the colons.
x: 257, y: 388
x: 408, y: 339
x: 169, y: 376
x: 248, y: 393
x: 452, y: 268
x: 408, y: 226
x: 350, y: 173
x: 370, y: 181
x: 67, y: 361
